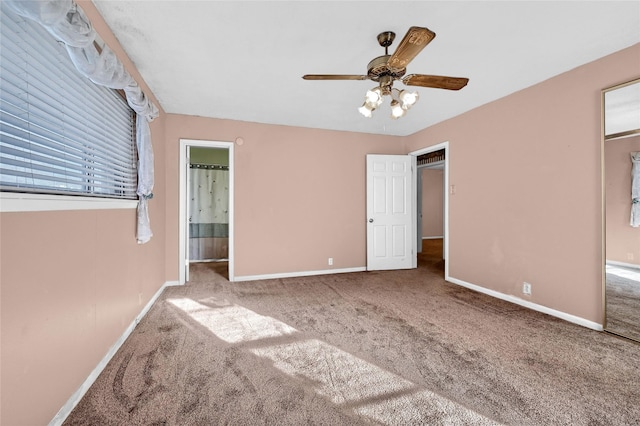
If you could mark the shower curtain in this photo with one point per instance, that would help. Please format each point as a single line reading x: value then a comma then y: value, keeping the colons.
x: 208, y: 212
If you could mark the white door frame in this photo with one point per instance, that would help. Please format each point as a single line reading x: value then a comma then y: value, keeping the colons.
x: 445, y: 146
x: 185, y: 144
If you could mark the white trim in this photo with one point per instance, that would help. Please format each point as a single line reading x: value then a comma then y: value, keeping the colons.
x: 443, y: 145
x: 23, y: 202
x: 182, y: 217
x: 66, y: 409
x: 414, y: 211
x: 300, y: 274
x: 624, y: 265
x: 534, y: 306
x: 433, y: 238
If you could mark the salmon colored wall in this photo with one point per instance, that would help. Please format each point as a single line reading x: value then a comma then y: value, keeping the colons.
x: 432, y: 203
x: 623, y: 241
x: 299, y: 193
x: 527, y: 205
x: 72, y: 282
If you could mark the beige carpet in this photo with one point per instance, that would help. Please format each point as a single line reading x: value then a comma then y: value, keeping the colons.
x: 401, y: 348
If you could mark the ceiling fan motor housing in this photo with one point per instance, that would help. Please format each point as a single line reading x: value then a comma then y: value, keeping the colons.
x: 379, y: 67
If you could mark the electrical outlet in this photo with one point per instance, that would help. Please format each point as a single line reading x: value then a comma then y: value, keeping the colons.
x: 629, y: 256
x: 330, y: 261
x: 139, y: 299
x: 526, y: 288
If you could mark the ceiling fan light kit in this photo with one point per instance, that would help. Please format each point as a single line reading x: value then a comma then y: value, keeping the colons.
x: 401, y: 101
x: 388, y: 68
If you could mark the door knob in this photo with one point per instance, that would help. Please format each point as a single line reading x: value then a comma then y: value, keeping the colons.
x: 370, y: 220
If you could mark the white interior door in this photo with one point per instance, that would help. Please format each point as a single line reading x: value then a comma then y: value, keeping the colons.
x: 391, y: 210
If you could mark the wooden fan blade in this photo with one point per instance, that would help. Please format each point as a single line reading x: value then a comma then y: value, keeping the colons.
x: 413, y: 42
x: 334, y: 77
x: 436, y: 81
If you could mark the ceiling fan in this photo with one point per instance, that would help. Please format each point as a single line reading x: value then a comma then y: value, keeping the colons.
x: 387, y: 68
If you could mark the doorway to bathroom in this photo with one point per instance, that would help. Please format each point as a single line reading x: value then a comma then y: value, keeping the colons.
x: 206, y: 205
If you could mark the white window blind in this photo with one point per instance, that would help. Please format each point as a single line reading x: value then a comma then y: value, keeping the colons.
x: 59, y: 132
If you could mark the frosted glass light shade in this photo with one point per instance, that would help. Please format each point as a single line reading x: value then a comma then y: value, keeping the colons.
x: 366, y: 110
x: 396, y: 109
x: 374, y: 97
x: 408, y: 98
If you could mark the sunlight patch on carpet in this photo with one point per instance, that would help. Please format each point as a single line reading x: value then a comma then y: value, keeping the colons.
x: 376, y: 393
x: 336, y: 374
x: 628, y: 273
x: 342, y: 378
x: 233, y: 323
x: 423, y: 407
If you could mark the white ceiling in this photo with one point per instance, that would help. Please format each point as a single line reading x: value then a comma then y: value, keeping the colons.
x: 244, y: 60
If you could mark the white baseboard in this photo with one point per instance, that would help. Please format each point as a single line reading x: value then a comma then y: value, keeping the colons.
x: 433, y: 238
x: 623, y: 264
x: 298, y: 274
x: 534, y: 306
x: 66, y: 409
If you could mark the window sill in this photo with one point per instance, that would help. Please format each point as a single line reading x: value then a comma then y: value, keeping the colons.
x: 18, y: 202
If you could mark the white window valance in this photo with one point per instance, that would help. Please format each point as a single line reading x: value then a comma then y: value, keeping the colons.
x: 68, y: 23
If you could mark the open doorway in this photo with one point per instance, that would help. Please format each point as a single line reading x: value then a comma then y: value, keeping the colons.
x: 432, y: 204
x: 206, y: 206
x: 208, y: 199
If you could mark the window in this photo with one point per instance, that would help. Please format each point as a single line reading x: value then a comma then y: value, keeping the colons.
x: 59, y: 132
